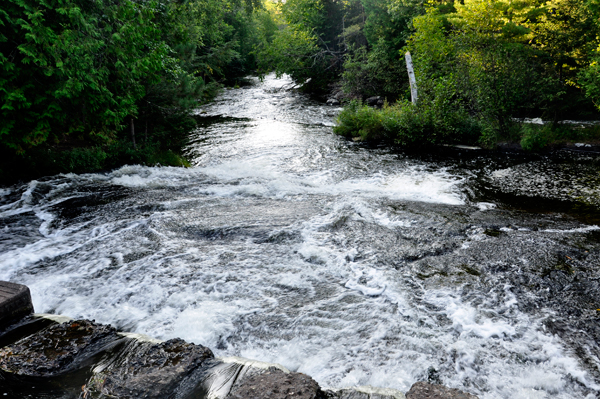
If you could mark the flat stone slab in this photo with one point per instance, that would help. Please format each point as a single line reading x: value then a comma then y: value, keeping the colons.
x: 15, y: 303
x: 150, y: 370
x: 425, y: 390
x: 57, y: 349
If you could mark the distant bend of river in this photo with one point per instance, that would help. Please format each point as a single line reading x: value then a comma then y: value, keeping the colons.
x: 355, y: 265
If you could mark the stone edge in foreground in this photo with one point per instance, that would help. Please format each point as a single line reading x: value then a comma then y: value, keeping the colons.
x: 15, y: 302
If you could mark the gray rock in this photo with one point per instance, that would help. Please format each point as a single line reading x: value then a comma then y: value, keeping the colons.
x: 15, y: 303
x: 277, y: 384
x: 57, y: 349
x: 149, y: 369
x: 223, y: 374
x: 366, y: 392
x: 333, y: 101
x: 425, y: 390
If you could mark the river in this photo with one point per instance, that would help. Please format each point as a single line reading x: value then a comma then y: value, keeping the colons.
x: 357, y: 265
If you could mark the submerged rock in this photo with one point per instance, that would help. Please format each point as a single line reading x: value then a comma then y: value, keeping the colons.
x: 57, y: 349
x: 277, y: 384
x: 148, y: 370
x: 425, y: 390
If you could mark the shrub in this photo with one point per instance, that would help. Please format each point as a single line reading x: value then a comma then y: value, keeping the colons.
x: 406, y: 124
x: 535, y: 137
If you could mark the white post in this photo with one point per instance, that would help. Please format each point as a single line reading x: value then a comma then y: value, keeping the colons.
x: 411, y: 77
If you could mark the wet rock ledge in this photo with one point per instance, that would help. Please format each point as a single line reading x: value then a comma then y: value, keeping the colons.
x: 49, y: 356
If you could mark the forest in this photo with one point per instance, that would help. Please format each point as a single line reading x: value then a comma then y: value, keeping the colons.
x: 89, y: 85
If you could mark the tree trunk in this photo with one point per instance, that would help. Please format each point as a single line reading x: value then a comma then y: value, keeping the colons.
x: 133, y: 133
x: 411, y: 78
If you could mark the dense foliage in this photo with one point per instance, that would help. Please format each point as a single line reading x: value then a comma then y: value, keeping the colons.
x: 115, y: 79
x: 481, y: 65
x: 307, y: 45
x: 351, y: 45
x: 91, y: 84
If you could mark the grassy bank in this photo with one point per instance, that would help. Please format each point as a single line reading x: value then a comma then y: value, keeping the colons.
x: 406, y: 124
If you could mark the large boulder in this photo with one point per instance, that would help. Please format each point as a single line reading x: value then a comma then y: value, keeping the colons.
x: 239, y: 378
x: 277, y: 384
x: 149, y: 369
x: 425, y: 390
x: 57, y: 349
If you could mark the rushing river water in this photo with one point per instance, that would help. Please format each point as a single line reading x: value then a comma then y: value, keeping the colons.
x: 355, y: 265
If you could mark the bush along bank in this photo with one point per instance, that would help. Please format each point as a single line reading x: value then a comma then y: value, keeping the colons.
x: 406, y: 124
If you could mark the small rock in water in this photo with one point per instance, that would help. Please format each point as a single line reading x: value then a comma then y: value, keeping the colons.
x: 57, y: 349
x: 148, y: 370
x: 276, y: 384
x: 333, y: 101
x: 425, y: 390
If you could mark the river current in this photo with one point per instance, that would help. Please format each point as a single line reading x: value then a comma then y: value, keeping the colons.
x: 356, y: 265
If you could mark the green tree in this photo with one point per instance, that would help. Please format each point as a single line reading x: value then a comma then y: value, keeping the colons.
x: 73, y: 69
x: 308, y: 45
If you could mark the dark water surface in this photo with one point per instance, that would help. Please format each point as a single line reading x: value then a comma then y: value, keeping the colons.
x: 355, y: 265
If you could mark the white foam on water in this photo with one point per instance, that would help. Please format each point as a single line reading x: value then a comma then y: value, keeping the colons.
x: 314, y: 306
x: 261, y: 178
x: 485, y: 206
x: 252, y: 363
x: 54, y: 317
x: 584, y: 229
x: 266, y: 176
x: 546, y: 362
x: 144, y: 176
x: 206, y: 323
x: 369, y: 390
x: 140, y: 337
